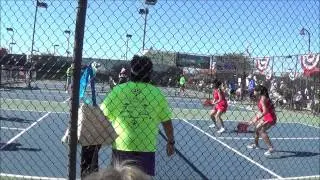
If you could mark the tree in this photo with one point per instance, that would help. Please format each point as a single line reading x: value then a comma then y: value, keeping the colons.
x: 3, y: 51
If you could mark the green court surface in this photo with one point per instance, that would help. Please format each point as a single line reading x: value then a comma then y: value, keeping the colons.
x: 236, y: 113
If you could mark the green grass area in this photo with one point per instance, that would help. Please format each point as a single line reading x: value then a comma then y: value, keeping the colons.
x: 10, y: 178
x: 179, y: 113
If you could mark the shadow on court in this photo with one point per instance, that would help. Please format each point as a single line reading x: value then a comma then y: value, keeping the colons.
x: 288, y: 154
x: 237, y: 132
x: 15, y: 119
x: 8, y: 88
x: 17, y: 147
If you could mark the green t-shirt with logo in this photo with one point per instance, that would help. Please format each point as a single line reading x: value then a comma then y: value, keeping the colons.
x: 136, y: 110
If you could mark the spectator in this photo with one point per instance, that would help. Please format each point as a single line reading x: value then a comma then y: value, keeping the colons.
x: 306, y: 97
x: 239, y: 93
x: 136, y: 109
x: 182, y: 83
x: 232, y: 90
x: 313, y: 98
x: 201, y: 85
x: 275, y: 96
x: 252, y: 84
x: 316, y: 102
x: 69, y: 76
x: 89, y: 154
x: 121, y: 171
x: 298, y: 99
x: 123, y: 76
x: 169, y: 82
x: 111, y: 82
x: 282, y: 85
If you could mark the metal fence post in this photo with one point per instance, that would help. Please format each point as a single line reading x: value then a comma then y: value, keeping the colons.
x: 77, y: 59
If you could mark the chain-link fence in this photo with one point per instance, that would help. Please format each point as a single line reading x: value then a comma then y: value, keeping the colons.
x: 47, y: 64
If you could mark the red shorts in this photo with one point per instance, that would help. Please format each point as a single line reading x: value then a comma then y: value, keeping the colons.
x: 270, y: 121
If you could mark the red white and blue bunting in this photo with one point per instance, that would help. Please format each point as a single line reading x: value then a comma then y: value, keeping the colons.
x: 310, y: 63
x: 262, y: 63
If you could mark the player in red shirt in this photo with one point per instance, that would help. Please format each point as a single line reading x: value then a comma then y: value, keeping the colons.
x: 264, y: 119
x: 220, y: 105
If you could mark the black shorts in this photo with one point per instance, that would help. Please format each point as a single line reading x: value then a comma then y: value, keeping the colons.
x: 142, y: 160
x: 232, y: 91
x: 251, y: 94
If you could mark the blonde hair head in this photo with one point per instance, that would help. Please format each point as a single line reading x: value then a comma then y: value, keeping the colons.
x: 120, y: 171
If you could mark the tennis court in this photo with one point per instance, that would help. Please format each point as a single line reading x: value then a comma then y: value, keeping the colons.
x: 32, y: 125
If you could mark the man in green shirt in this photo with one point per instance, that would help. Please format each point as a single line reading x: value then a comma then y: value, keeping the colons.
x: 182, y: 83
x: 136, y: 108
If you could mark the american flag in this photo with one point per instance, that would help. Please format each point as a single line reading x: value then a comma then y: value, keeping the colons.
x: 42, y: 4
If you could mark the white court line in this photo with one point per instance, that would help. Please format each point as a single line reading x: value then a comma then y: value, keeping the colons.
x: 29, y: 177
x: 318, y: 127
x: 9, y: 128
x: 298, y: 177
x: 57, y: 112
x: 308, y: 125
x: 27, y: 100
x: 283, y: 138
x: 25, y: 130
x: 234, y: 150
x: 232, y: 120
x: 33, y: 93
x: 67, y: 100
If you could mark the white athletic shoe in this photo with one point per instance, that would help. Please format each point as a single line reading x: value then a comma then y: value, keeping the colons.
x: 249, y: 108
x: 221, y: 130
x: 269, y: 152
x: 253, y: 146
x: 212, y: 126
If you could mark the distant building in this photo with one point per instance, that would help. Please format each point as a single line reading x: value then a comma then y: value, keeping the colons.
x: 161, y: 57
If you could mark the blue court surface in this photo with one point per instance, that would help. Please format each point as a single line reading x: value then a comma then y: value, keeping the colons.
x: 31, y: 147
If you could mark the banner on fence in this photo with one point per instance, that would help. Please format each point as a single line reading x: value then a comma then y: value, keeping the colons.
x: 262, y: 63
x: 310, y: 64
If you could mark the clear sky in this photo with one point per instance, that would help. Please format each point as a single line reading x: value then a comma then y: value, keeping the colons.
x: 267, y: 27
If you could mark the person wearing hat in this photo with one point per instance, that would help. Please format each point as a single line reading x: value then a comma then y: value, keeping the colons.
x: 136, y: 108
x: 298, y: 100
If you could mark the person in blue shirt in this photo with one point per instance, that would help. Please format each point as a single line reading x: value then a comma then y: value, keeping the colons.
x: 252, y: 85
x: 232, y: 90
